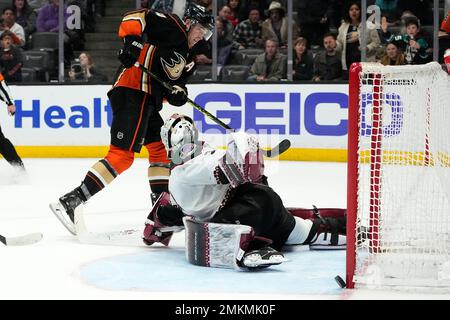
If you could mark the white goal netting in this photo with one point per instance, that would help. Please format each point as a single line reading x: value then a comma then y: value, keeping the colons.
x: 403, y: 180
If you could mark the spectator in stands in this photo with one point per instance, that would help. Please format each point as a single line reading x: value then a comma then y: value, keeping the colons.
x: 168, y: 6
x: 246, y: 5
x: 247, y: 33
x: 234, y: 6
x: 328, y: 64
x: 84, y: 70
x: 276, y: 26
x: 303, y: 60
x: 25, y: 16
x: 269, y: 66
x: 228, y: 27
x: 393, y: 56
x: 11, y: 59
x: 420, y: 8
x: 224, y: 45
x: 47, y: 21
x: 416, y: 48
x: 349, y: 38
x: 313, y: 19
x: 389, y: 10
x: 37, y: 4
x: 9, y: 24
x: 445, y: 25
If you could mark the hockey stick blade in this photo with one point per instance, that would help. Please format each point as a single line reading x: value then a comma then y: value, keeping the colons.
x: 21, y: 240
x: 130, y: 237
x: 280, y: 148
x: 115, y: 238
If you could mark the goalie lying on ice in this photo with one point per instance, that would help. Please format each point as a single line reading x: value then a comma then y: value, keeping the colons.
x: 232, y: 217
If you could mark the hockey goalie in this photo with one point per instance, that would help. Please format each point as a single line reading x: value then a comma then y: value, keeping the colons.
x: 232, y: 218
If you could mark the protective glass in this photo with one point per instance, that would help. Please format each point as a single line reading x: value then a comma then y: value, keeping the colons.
x: 207, y: 30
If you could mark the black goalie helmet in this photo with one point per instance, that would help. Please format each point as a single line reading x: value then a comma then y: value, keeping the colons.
x: 199, y: 15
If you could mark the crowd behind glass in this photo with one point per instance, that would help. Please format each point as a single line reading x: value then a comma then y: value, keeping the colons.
x: 255, y: 40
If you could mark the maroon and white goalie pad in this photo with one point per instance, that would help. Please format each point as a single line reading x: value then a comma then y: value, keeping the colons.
x: 229, y: 246
x: 216, y: 244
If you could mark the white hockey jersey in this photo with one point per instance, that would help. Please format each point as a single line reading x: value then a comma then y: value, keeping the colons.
x: 193, y: 185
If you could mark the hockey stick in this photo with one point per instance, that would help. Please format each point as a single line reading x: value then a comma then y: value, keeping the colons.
x: 270, y: 153
x: 21, y: 240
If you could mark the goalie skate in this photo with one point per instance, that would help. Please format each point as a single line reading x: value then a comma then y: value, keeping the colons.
x: 262, y: 258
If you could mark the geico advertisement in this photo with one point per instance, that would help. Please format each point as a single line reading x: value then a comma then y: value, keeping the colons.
x: 310, y: 115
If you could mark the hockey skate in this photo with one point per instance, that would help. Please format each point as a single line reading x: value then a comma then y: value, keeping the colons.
x: 68, y: 208
x: 262, y: 258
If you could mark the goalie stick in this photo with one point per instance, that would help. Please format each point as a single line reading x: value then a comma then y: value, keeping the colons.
x: 21, y: 240
x: 270, y: 153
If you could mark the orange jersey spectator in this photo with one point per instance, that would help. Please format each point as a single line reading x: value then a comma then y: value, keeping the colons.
x: 445, y: 25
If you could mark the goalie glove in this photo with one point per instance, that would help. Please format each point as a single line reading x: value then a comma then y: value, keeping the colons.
x: 243, y: 161
x: 178, y: 96
x: 162, y: 221
x: 129, y: 54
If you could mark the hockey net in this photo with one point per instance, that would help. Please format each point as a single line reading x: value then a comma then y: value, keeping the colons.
x: 398, y: 177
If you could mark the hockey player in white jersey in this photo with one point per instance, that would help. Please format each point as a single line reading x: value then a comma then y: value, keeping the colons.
x: 232, y: 217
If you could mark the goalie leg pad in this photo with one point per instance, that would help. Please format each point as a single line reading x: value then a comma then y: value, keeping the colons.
x: 215, y: 244
x: 232, y: 246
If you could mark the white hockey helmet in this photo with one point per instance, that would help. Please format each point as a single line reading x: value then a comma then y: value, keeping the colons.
x: 180, y: 137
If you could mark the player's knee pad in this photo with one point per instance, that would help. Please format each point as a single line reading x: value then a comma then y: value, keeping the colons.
x: 222, y: 245
x: 120, y: 159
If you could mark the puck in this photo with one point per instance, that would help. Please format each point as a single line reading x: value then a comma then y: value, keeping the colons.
x: 340, y: 281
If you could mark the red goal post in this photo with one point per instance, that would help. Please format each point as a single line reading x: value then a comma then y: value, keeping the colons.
x: 398, y: 182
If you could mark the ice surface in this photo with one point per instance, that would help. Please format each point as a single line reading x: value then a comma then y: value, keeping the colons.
x: 60, y: 267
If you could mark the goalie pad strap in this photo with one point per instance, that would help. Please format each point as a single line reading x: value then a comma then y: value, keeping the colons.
x: 216, y: 244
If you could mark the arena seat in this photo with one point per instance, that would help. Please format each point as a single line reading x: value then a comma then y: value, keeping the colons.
x: 234, y: 73
x: 247, y: 56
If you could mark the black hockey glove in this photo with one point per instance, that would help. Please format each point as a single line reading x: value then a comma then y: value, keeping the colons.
x: 178, y: 96
x: 129, y: 54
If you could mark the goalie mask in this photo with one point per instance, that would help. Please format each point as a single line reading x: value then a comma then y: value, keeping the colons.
x: 180, y: 137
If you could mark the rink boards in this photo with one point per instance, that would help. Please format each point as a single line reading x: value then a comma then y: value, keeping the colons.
x: 74, y: 121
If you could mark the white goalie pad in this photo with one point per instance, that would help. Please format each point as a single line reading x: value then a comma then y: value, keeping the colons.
x: 216, y: 245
